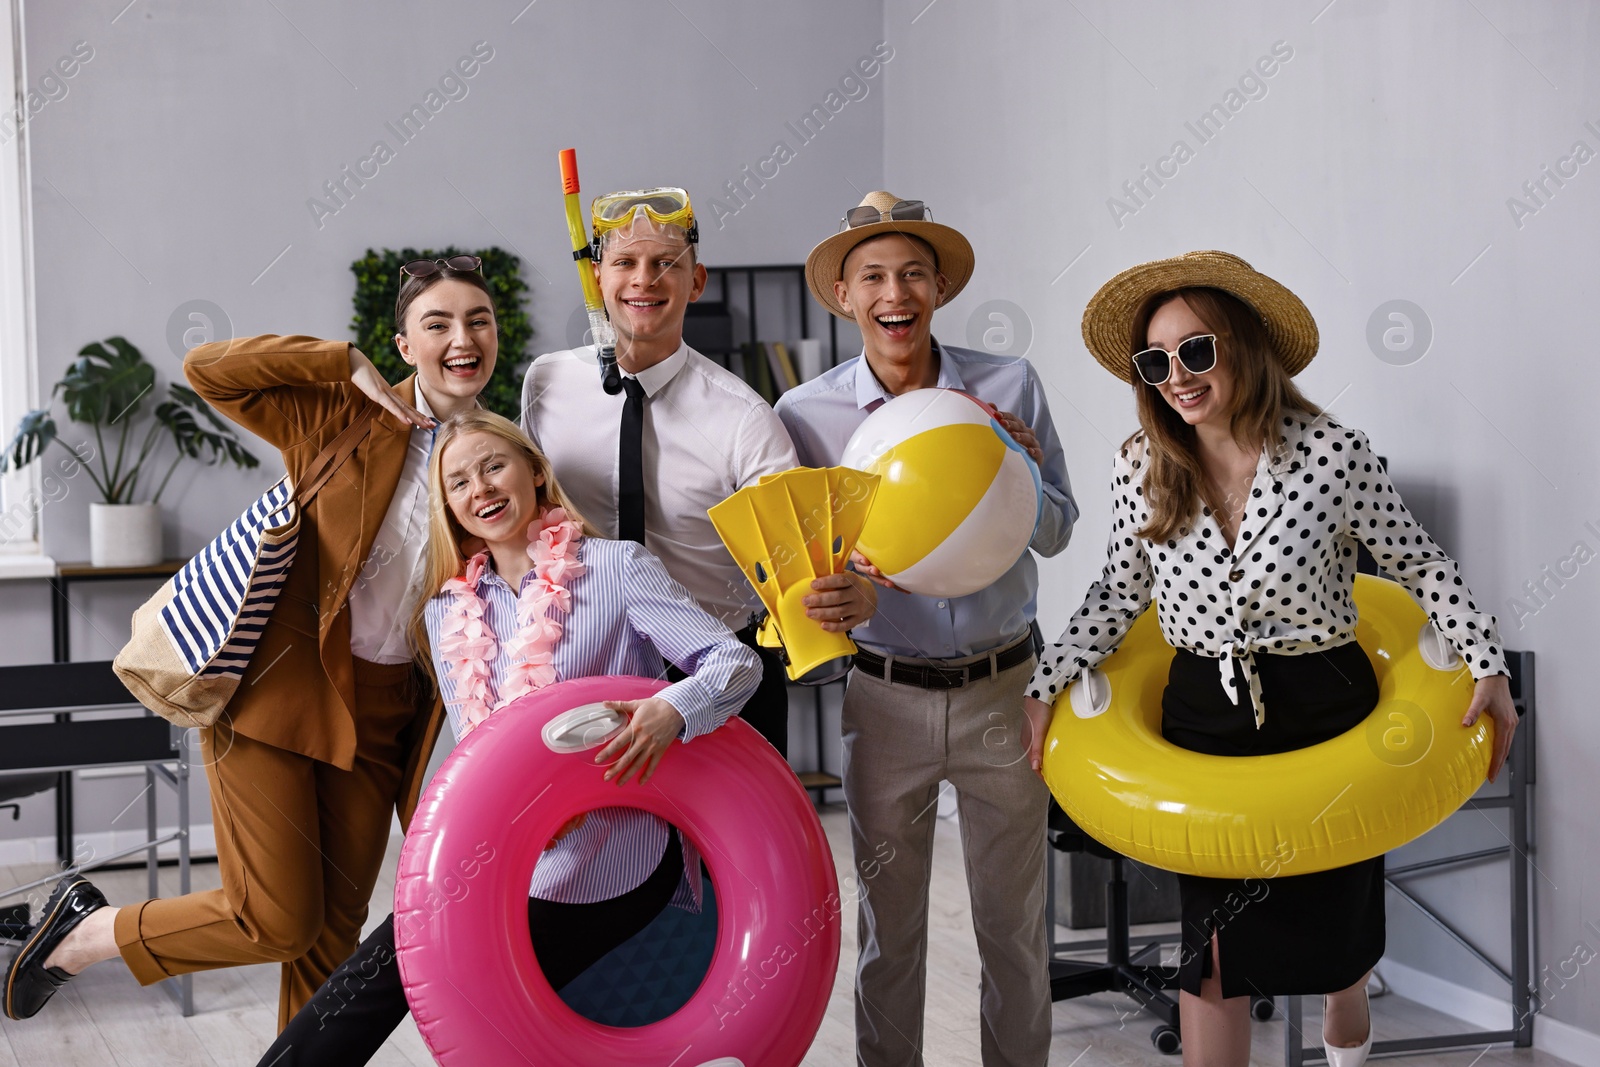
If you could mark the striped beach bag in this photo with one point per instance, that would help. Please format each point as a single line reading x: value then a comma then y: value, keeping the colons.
x: 193, y: 640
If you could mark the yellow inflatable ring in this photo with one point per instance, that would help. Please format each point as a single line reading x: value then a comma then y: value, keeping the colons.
x: 1371, y: 789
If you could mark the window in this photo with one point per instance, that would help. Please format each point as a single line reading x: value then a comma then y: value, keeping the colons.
x: 19, y: 492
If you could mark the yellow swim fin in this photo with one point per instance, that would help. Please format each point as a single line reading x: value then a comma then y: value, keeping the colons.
x: 852, y: 493
x: 736, y: 523
x: 787, y: 530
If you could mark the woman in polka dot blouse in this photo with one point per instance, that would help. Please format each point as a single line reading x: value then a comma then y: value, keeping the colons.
x: 1238, y: 507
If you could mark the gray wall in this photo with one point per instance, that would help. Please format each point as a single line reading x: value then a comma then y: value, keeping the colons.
x: 179, y: 163
x: 1373, y: 165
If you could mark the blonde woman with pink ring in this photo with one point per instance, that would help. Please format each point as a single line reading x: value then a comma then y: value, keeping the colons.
x: 544, y: 600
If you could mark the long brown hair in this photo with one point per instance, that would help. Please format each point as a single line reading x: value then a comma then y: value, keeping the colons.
x: 443, y: 559
x: 1175, y: 483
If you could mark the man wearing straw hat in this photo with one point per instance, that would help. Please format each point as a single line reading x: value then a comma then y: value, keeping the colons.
x: 908, y: 727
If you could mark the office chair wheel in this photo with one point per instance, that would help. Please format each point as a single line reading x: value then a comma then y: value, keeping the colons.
x: 1166, y: 1040
x: 1262, y: 1008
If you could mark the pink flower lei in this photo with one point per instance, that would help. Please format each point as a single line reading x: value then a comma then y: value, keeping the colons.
x: 468, y: 645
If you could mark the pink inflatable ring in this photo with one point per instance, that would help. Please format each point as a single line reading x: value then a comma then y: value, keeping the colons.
x: 461, y: 921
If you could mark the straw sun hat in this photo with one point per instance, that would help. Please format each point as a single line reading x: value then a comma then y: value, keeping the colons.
x: 1108, y: 320
x: 825, y: 264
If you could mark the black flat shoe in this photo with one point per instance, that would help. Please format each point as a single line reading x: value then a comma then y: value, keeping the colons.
x: 29, y: 983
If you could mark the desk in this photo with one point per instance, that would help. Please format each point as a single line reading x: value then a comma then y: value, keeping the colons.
x: 67, y: 575
x: 70, y: 574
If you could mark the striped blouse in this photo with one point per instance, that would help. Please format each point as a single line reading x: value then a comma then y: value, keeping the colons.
x: 627, y: 614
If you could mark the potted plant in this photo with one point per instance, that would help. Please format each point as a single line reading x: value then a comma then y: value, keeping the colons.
x: 105, y: 388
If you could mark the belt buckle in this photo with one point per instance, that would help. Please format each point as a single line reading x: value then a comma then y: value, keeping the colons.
x: 949, y: 677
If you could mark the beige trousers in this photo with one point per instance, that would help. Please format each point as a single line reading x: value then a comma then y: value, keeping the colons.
x: 899, y: 742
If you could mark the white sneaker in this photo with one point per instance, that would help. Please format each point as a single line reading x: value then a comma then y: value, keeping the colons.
x: 1349, y: 1057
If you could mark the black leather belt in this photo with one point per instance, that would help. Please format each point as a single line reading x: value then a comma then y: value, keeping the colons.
x: 933, y: 676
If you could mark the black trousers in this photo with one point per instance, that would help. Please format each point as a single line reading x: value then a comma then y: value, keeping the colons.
x: 768, y: 709
x: 350, y: 1017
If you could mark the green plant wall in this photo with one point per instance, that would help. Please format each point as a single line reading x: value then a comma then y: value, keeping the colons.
x: 378, y: 283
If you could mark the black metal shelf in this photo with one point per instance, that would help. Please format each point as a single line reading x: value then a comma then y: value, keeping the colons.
x: 1517, y: 799
x: 708, y: 328
x: 708, y: 323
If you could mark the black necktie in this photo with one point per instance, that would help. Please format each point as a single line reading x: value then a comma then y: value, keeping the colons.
x: 630, y: 464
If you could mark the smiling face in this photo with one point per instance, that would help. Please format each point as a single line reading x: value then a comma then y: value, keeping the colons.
x: 491, y: 489
x: 1197, y: 398
x: 450, y: 337
x: 891, y: 286
x: 647, y: 282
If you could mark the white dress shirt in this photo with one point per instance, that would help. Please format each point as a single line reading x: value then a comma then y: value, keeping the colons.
x: 1285, y: 586
x: 389, y: 586
x: 706, y: 435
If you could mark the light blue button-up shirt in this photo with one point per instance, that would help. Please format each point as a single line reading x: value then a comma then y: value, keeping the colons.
x: 823, y: 413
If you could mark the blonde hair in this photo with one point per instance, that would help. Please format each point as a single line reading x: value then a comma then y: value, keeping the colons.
x: 1175, y: 484
x: 443, y: 559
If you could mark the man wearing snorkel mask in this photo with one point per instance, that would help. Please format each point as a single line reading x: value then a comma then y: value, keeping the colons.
x: 645, y: 462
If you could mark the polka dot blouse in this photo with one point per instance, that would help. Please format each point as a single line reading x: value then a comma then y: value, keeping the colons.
x: 1285, y: 587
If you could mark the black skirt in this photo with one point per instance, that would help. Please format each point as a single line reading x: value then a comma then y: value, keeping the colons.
x: 1292, y: 934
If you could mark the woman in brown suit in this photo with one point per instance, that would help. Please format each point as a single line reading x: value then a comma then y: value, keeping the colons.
x: 333, y: 724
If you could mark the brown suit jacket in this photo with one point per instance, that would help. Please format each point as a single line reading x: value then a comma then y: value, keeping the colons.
x: 299, y: 693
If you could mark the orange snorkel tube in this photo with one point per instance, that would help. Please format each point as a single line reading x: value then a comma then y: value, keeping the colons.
x: 605, y: 337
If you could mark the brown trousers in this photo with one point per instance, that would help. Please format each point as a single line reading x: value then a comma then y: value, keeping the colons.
x: 299, y: 843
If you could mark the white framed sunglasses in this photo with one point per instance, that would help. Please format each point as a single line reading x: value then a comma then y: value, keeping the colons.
x: 1197, y: 354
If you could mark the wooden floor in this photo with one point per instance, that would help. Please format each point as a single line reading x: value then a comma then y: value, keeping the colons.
x: 104, y: 1018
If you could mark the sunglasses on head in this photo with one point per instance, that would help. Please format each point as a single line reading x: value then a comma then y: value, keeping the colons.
x: 899, y: 211
x: 1198, y: 355
x: 427, y: 268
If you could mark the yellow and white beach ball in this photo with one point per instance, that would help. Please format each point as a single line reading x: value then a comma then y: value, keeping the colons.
x: 959, y: 499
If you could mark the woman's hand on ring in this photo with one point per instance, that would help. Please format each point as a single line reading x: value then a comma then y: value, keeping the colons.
x: 1039, y: 715
x: 653, y: 724
x: 1492, y: 696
